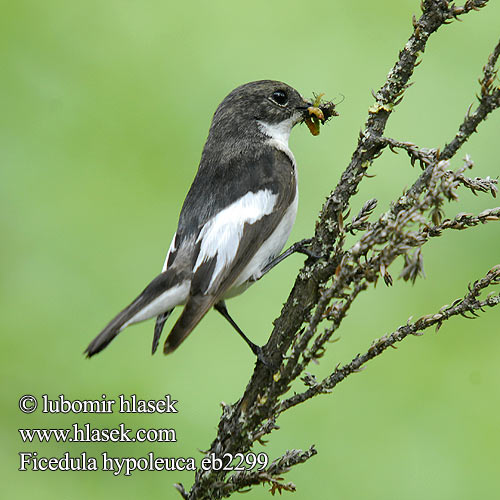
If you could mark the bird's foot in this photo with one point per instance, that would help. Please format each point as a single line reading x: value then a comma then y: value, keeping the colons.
x: 270, y: 364
x: 301, y: 247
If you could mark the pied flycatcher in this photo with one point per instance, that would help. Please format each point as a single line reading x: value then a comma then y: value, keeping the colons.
x: 236, y: 217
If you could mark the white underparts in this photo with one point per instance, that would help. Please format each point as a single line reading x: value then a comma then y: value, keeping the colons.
x: 222, y: 234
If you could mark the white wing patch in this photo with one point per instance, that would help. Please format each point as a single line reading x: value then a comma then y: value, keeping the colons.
x: 221, y: 235
x: 270, y: 248
x: 170, y: 250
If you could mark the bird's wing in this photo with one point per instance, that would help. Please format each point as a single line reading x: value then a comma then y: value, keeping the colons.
x: 227, y: 242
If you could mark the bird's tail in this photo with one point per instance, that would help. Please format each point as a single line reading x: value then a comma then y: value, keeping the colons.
x: 196, y: 307
x: 114, y: 327
x: 160, y: 323
x: 162, y: 294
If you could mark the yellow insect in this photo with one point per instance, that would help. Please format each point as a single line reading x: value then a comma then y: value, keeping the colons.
x: 319, y: 113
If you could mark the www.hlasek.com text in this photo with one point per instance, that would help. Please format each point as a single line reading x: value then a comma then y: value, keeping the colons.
x: 87, y: 434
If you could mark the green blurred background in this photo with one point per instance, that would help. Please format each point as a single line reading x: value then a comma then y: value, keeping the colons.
x: 105, y: 109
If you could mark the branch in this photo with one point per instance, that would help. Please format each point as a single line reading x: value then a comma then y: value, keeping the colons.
x: 469, y: 304
x: 325, y: 289
x: 271, y: 475
x: 488, y: 102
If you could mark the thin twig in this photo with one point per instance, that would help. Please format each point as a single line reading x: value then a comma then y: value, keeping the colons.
x: 469, y: 304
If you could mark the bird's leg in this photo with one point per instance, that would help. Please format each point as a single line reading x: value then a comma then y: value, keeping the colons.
x: 299, y: 247
x: 221, y: 308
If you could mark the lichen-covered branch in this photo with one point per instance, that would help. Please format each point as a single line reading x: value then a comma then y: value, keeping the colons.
x: 469, y: 304
x: 271, y: 475
x: 382, y: 242
x: 489, y: 100
x: 326, y: 288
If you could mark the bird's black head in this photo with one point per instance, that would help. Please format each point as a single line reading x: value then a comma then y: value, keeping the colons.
x: 265, y: 101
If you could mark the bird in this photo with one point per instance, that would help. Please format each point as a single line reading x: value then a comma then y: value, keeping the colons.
x: 235, y: 220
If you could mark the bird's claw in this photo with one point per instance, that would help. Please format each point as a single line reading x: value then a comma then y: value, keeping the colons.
x: 271, y: 365
x: 301, y: 247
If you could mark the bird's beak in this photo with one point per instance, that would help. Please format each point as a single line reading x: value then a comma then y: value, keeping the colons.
x: 304, y: 109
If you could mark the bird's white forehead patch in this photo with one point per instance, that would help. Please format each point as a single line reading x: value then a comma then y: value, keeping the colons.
x: 221, y: 235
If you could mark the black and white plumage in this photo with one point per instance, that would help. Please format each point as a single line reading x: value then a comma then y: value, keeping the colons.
x: 236, y: 217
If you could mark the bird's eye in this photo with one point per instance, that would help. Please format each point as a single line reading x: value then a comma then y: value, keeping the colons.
x: 279, y: 97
